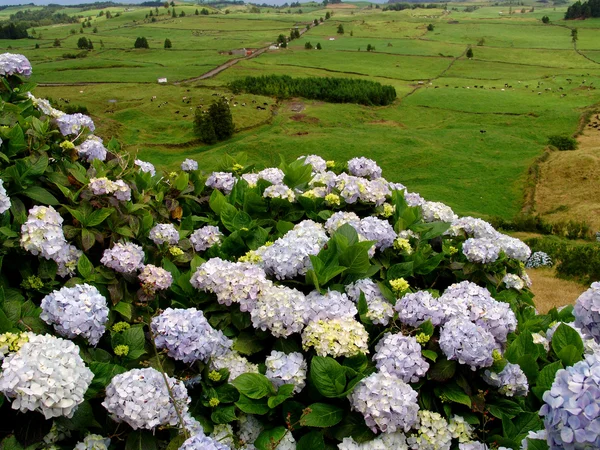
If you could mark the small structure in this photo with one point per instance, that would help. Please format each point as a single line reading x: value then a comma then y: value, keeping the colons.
x: 274, y: 47
x: 162, y: 81
x: 332, y: 39
x: 238, y: 51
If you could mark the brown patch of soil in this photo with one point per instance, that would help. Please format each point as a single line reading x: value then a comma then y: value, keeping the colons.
x: 297, y: 107
x: 341, y: 6
x: 304, y: 118
x: 389, y: 123
x: 552, y: 292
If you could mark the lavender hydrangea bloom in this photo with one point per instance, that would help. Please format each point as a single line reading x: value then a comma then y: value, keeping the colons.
x: 473, y: 445
x: 511, y: 381
x: 234, y: 362
x: 572, y: 407
x: 124, y: 258
x: 188, y: 336
x: 140, y: 398
x: 400, y: 356
x: 145, y: 167
x: 340, y: 218
x: 77, y: 311
x: 436, y: 211
x: 286, y: 369
x: 155, y: 278
x: 47, y: 375
x: 318, y: 164
x: 413, y: 199
x: 364, y: 167
x: 473, y: 227
x: 232, y: 282
x: 481, y: 250
x: 74, y: 123
x: 281, y: 310
x: 467, y: 343
x: 205, y: 237
x: 379, y: 310
x: 329, y: 306
x: 514, y: 248
x: 66, y: 259
x: 513, y: 281
x: 42, y: 233
x: 380, y: 231
x: 272, y: 175
x: 4, y: 199
x: 350, y: 188
x: 415, y: 308
x: 250, y: 178
x: 164, y: 233
x: 223, y: 181
x: 202, y: 442
x: 122, y: 191
x: 189, y: 165
x: 93, y: 442
x: 386, y: 402
x: 101, y: 186
x: 326, y: 179
x: 385, y: 441
x: 249, y: 429
x: 587, y: 312
x: 92, y: 149
x: 11, y: 64
x: 289, y: 256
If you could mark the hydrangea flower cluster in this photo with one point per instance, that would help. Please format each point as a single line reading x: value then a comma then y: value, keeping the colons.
x: 329, y: 306
x: 380, y: 311
x: 234, y: 362
x: 460, y: 429
x: 223, y: 434
x: 47, y: 375
x: 155, y: 278
x: 436, y: 211
x: 92, y: 148
x: 318, y: 164
x: 587, y: 312
x: 467, y: 343
x: 42, y: 233
x: 475, y: 445
x: 433, y: 433
x: 124, y: 258
x: 513, y: 281
x: 481, y: 250
x: 571, y: 410
x: 232, y: 282
x: 341, y: 218
x: 201, y: 441
x: 364, y: 167
x: 140, y: 398
x: 11, y: 64
x: 4, y: 199
x: 73, y: 124
x: 539, y: 259
x: 223, y: 181
x: 418, y: 307
x: 473, y: 227
x: 44, y: 106
x: 145, y: 167
x: 336, y: 337
x: 280, y: 191
x: 12, y: 342
x: 280, y: 309
x: 286, y: 369
x: 93, y: 442
x: 400, y: 356
x: 272, y: 174
x: 380, y: 231
x: 385, y: 441
x: 102, y: 186
x: 413, y: 199
x: 189, y: 165
x: 205, y: 237
x: 511, y: 380
x: 77, y: 311
x: 289, y: 256
x: 249, y: 429
x: 386, y: 402
x: 514, y: 248
x: 188, y: 336
x: 164, y: 233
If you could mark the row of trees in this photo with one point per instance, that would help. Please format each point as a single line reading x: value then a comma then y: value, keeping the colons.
x: 13, y: 31
x: 215, y: 124
x: 142, y: 42
x: 403, y: 6
x: 584, y: 10
x: 48, y: 15
x: 334, y: 90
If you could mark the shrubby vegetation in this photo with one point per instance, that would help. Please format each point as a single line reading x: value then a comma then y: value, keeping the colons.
x: 310, y: 306
x: 335, y: 90
x: 48, y: 15
x: 587, y: 9
x: 571, y: 229
x: 214, y: 124
x: 12, y: 31
x: 563, y: 142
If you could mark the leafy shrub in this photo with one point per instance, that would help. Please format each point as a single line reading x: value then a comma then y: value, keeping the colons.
x: 563, y: 142
x: 295, y: 305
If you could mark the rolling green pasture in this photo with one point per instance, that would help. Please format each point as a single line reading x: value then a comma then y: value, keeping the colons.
x: 526, y: 81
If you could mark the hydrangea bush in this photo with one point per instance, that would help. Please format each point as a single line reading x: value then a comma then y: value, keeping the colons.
x: 314, y: 305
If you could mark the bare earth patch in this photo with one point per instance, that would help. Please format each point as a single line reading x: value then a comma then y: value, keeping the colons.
x: 389, y: 123
x: 568, y: 183
x: 341, y: 6
x: 304, y: 118
x: 552, y: 292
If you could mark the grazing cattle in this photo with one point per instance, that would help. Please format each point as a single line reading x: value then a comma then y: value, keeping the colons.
x: 483, y: 131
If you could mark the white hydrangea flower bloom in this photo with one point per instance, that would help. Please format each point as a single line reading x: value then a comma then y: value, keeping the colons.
x: 93, y: 442
x: 164, y: 233
x: 280, y: 309
x: 124, y: 258
x: 234, y: 362
x: 436, y: 211
x: 223, y: 434
x: 432, y: 434
x: 280, y: 191
x: 331, y: 305
x: 514, y: 248
x: 42, y: 233
x: 101, y: 186
x: 400, y: 356
x: 380, y: 231
x: 413, y: 199
x: 4, y: 198
x: 45, y: 107
x: 385, y: 441
x: 326, y: 179
x: 364, y: 167
x: 380, y: 311
x: 47, y: 375
x: 121, y: 191
x: 513, y: 281
x: 189, y: 165
x: 155, y: 278
x: 249, y: 429
x: 140, y: 398
x: 77, y: 311
x: 223, y: 181
x: 336, y: 337
x: 203, y: 442
x: 92, y: 148
x: 205, y: 237
x: 286, y: 369
x: 473, y: 227
x: 340, y: 218
x: 287, y: 442
x: 318, y: 164
x: 460, y: 429
x: 67, y: 258
x: 145, y: 167
x: 272, y: 175
x: 481, y: 250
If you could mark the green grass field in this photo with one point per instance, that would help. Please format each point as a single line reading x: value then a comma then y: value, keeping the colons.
x: 526, y: 81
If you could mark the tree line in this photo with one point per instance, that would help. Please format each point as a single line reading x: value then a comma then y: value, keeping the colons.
x: 584, y: 10
x: 400, y: 6
x: 12, y: 31
x: 41, y: 17
x: 333, y: 90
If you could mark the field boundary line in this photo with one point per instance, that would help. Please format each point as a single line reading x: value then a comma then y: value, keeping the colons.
x: 478, y: 113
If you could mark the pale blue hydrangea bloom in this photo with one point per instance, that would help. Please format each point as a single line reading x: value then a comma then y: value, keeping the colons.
x: 223, y: 181
x: 145, y: 167
x: 513, y: 247
x: 281, y: 310
x: 380, y: 231
x: 249, y: 429
x: 234, y: 362
x: 481, y: 250
x: 42, y: 233
x: 473, y: 227
x: 237, y: 282
x: 510, y: 381
x: 400, y: 356
x: 325, y: 179
x: 4, y: 198
x: 331, y: 305
x: 364, y: 167
x: 272, y: 175
x: 11, y: 64
x: 122, y: 191
x: 93, y: 442
x: 436, y: 211
x: 380, y: 311
x: 189, y: 165
x: 572, y: 407
x: 375, y: 191
x: 467, y: 343
x: 74, y: 123
x: 155, y: 278
x: 539, y: 259
x: 101, y: 186
x: 92, y: 148
x: 385, y: 441
x: 432, y: 434
x: 318, y: 164
x: 473, y: 445
x: 280, y: 191
x: 124, y: 258
x: 76, y: 311
x: 350, y: 187
x: 340, y: 218
x: 587, y: 312
x: 67, y: 258
x: 164, y: 233
x: 415, y: 308
x: 513, y: 281
x: 286, y: 369
x: 396, y: 186
x: 188, y: 336
x: 413, y: 199
x: 540, y: 435
x: 205, y: 237
x: 386, y: 402
x: 47, y: 375
x: 140, y: 398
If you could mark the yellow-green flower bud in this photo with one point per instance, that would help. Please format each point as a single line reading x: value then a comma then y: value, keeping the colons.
x: 330, y: 164
x: 121, y: 350
x: 213, y: 402
x: 403, y: 245
x: 213, y: 375
x: 237, y: 167
x: 175, y: 251
x: 67, y: 145
x: 250, y: 257
x: 452, y: 250
x: 120, y: 326
x: 32, y: 282
x: 399, y: 285
x: 332, y: 199
x: 422, y: 338
x: 496, y: 355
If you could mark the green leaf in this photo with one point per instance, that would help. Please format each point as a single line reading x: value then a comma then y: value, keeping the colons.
x: 176, y: 442
x: 503, y: 407
x: 454, y: 393
x: 547, y: 375
x: 85, y: 267
x: 427, y: 328
x: 566, y: 336
x: 355, y: 259
x: 226, y: 393
x: 311, y: 441
x: 569, y: 355
x: 140, y: 440
x: 285, y: 391
x: 253, y: 385
x: 353, y: 425
x: 522, y: 345
x: 98, y: 216
x: 223, y: 414
x: 39, y: 194
x: 247, y: 343
x: 103, y: 374
x: 87, y: 239
x: 442, y: 370
x: 529, y: 367
x: 401, y: 270
x: 269, y: 439
x: 134, y: 338
x: 537, y: 444
x: 328, y: 376
x: 322, y: 415
x: 429, y: 354
x: 250, y: 406
x: 125, y: 309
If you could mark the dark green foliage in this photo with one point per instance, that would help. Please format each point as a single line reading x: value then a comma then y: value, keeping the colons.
x: 340, y: 29
x: 12, y: 31
x: 536, y: 224
x: 327, y: 15
x: 56, y: 42
x: 204, y: 12
x: 182, y: 14
x: 168, y: 43
x: 584, y: 10
x: 173, y: 13
x: 74, y: 55
x: 84, y: 44
x: 563, y: 142
x: 204, y: 128
x: 545, y: 19
x: 469, y: 53
x: 196, y: 12
x: 141, y: 42
x: 216, y: 124
x: 308, y: 46
x: 334, y: 90
x: 319, y: 46
x: 370, y: 48
x: 430, y: 27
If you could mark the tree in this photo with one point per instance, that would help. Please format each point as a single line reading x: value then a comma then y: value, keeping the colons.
x: 340, y: 29
x: 319, y: 46
x: 37, y: 45
x: 182, y: 14
x: 281, y: 39
x: 222, y: 119
x: 196, y: 12
x: 83, y: 43
x: 168, y: 43
x: 95, y: 30
x: 574, y: 35
x: 545, y: 19
x: 370, y: 48
x: 308, y: 46
x: 469, y: 53
x: 151, y: 13
x: 56, y: 42
x: 327, y: 15
x: 81, y: 30
x: 204, y: 12
x: 173, y: 14
x: 141, y: 42
x: 315, y: 22
x: 430, y: 27
x: 204, y: 127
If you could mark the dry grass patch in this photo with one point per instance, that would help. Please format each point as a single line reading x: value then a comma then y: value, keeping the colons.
x: 552, y: 292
